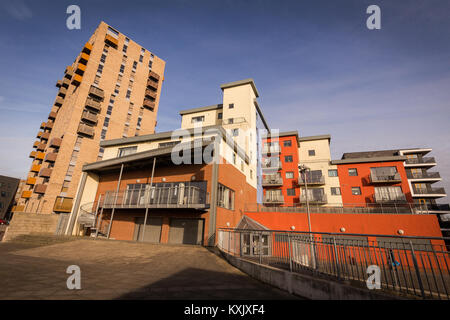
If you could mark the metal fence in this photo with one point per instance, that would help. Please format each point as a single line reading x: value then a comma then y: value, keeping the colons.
x: 377, y: 208
x: 411, y: 266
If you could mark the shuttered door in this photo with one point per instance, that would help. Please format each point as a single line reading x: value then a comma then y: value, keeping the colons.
x: 152, y: 230
x: 186, y: 231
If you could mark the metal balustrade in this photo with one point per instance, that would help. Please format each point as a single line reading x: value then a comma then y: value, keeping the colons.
x: 413, y: 267
x: 311, y: 180
x: 424, y: 160
x: 378, y: 178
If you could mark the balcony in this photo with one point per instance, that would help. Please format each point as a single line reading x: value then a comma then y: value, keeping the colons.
x: 63, y: 204
x: 49, y: 125
x: 272, y: 181
x: 50, y: 157
x: 425, y: 161
x: 152, y: 84
x: 35, y: 168
x: 59, y: 83
x: 40, y: 155
x: 311, y: 180
x: 31, y: 181
x: 27, y: 194
x: 35, y: 144
x: 188, y: 197
x: 273, y: 198
x: 45, y: 135
x: 52, y: 115
x: 39, y: 134
x: 40, y: 188
x: 94, y: 105
x: 33, y: 154
x: 423, y: 175
x: 109, y: 39
x: 271, y: 163
x: 62, y: 92
x: 89, y: 117
x: 433, y: 192
x: 378, y: 178
x: 58, y: 101
x: 87, y: 48
x: 18, y: 208
x: 149, y: 104
x: 77, y: 79
x: 68, y: 73
x: 313, y: 198
x: 268, y: 149
x: 55, y: 142
x: 150, y: 93
x: 153, y: 76
x: 84, y: 58
x: 45, y: 172
x: 86, y: 130
x: 41, y: 146
x: 42, y: 125
x: 96, y: 92
x: 65, y: 82
x: 388, y: 197
x: 81, y: 68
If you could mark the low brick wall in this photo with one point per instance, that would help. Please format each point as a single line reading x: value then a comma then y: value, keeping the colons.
x: 2, y: 231
x: 303, y: 285
x: 28, y: 223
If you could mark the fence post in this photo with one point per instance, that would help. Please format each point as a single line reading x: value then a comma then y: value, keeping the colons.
x: 416, y: 266
x: 260, y: 248
x: 336, y: 259
x: 290, y: 255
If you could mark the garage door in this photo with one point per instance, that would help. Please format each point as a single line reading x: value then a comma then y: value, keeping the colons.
x: 186, y: 231
x: 152, y: 230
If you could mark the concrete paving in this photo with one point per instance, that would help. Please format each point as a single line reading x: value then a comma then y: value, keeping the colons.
x: 124, y: 270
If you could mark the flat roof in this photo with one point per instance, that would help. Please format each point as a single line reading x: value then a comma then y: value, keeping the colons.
x: 240, y: 83
x: 200, y: 109
x: 370, y: 159
x: 312, y: 138
x: 281, y: 134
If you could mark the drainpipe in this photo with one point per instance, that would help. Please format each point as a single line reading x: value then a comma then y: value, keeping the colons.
x: 115, y: 201
x: 213, y: 203
x: 147, y: 202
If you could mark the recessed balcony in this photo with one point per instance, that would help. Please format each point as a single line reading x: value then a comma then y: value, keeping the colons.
x: 35, y: 168
x: 90, y: 117
x: 40, y: 188
x: 390, y: 198
x: 270, y: 198
x: 271, y: 163
x: 33, y: 154
x: 55, y: 142
x: 40, y: 155
x: 31, y: 181
x: 27, y: 194
x: 45, y: 172
x: 76, y: 80
x: 111, y: 41
x: 58, y: 101
x: 50, y: 157
x: 41, y: 146
x: 378, y: 178
x: 311, y: 180
x: 86, y: 130
x: 94, y: 105
x: 63, y: 204
x: 52, y: 115
x: 96, y: 92
x: 149, y: 104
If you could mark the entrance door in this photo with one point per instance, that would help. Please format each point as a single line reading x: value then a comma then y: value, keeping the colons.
x: 152, y: 231
x: 186, y: 231
x: 254, y: 244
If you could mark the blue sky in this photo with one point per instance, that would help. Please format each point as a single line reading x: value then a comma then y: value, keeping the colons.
x: 317, y: 67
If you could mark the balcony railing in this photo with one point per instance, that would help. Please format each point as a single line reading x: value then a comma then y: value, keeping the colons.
x: 96, y: 92
x: 388, y: 197
x: 41, y: 146
x: 187, y: 197
x: 423, y: 175
x: 52, y: 115
x: 273, y: 198
x: 272, y: 180
x: 149, y: 104
x: 85, y: 130
x: 271, y: 149
x: 58, y: 101
x: 63, y: 204
x: 31, y: 181
x: 50, y: 157
x: 311, y: 180
x: 150, y: 93
x: 45, y: 172
x: 378, y: 178
x: 40, y: 188
x: 273, y: 163
x: 153, y: 76
x: 40, y: 155
x: 152, y: 84
x: 89, y: 116
x: 314, y: 198
x: 95, y: 105
x: 424, y: 160
x: 430, y: 191
x: 55, y: 142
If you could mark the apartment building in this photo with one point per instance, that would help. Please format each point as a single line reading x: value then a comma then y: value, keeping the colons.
x: 8, y: 188
x: 177, y: 186
x: 110, y: 91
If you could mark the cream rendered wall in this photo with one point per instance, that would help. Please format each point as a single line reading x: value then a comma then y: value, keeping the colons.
x: 210, y: 118
x: 321, y: 161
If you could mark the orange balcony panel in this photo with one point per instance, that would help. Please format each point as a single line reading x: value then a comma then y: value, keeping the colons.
x: 40, y: 188
x: 31, y: 180
x: 35, y: 168
x: 18, y: 208
x: 63, y: 204
x: 27, y: 194
x: 51, y: 157
x: 111, y: 41
x: 81, y: 68
x: 33, y: 154
x: 77, y: 80
x: 55, y: 142
x: 52, y: 115
x: 40, y: 155
x: 39, y: 134
x: 87, y: 48
x: 45, y: 172
x: 84, y: 58
x: 35, y: 144
x: 41, y: 146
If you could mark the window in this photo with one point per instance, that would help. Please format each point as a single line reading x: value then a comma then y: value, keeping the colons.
x: 356, y: 191
x: 291, y: 192
x: 97, y: 79
x: 235, y: 132
x: 168, y: 144
x: 134, y: 65
x: 289, y: 175
x: 311, y: 153
x: 234, y: 158
x: 128, y: 94
x: 225, y: 197
x: 251, y: 174
x: 288, y: 159
x: 122, y: 68
x: 219, y: 115
x: 335, y: 191
x: 231, y: 106
x: 352, y: 172
x: 103, y: 58
x: 230, y: 121
x: 100, y: 68
x: 127, y: 151
x: 125, y: 47
x: 287, y: 143
x: 141, y: 58
x: 198, y: 119
x: 389, y: 194
x: 332, y: 173
x: 242, y: 165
